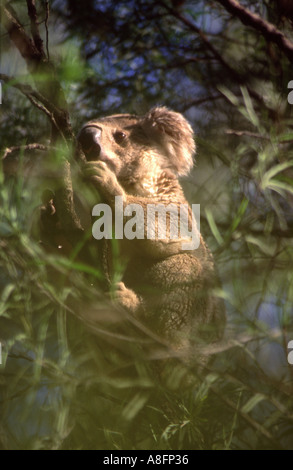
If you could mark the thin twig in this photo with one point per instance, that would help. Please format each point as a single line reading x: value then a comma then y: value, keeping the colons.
x: 253, y: 423
x: 202, y: 36
x: 37, y: 62
x: 18, y: 148
x: 53, y: 103
x: 199, y: 101
x: 255, y: 135
x: 32, y: 13
x: 19, y: 37
x: 35, y: 98
x: 268, y: 30
x: 46, y: 111
x: 46, y: 27
x: 247, y: 134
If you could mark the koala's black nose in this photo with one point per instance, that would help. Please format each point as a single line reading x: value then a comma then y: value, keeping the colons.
x: 89, y: 139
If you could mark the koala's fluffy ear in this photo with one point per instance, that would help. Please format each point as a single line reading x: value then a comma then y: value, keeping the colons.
x: 174, y: 134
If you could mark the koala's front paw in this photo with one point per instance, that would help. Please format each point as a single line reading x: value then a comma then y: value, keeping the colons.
x: 127, y: 297
x: 103, y: 178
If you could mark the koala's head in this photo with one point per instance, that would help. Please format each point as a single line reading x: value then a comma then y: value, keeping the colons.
x: 129, y: 143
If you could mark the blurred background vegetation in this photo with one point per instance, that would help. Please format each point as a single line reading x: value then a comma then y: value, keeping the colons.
x: 76, y: 372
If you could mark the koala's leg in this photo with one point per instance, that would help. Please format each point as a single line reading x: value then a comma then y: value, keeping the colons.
x: 127, y: 298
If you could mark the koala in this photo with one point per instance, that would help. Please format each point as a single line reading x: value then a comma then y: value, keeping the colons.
x: 166, y: 286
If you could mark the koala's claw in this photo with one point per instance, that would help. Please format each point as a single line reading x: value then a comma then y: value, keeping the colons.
x: 96, y: 169
x: 103, y: 178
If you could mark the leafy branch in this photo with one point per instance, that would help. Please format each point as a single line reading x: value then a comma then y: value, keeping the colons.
x: 49, y: 98
x: 268, y: 30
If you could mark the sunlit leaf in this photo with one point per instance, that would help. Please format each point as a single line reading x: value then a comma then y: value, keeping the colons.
x: 252, y: 402
x: 135, y: 405
x: 213, y: 226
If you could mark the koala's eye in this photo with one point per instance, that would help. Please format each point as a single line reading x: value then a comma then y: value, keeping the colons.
x: 120, y: 137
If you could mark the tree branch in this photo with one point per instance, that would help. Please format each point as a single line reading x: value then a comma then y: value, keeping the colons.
x: 18, y: 148
x: 254, y: 135
x: 202, y: 36
x: 36, y: 60
x: 32, y: 12
x: 46, y: 27
x: 268, y: 30
x: 35, y: 97
x: 19, y: 37
x: 49, y: 92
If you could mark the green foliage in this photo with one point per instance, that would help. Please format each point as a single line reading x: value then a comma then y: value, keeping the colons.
x: 74, y: 388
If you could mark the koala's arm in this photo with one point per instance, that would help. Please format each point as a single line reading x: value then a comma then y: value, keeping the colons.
x: 105, y: 181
